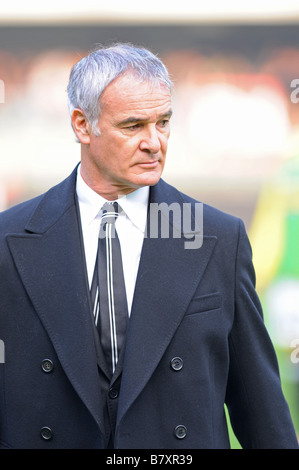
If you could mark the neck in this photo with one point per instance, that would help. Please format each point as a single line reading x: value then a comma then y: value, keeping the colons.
x: 108, y: 190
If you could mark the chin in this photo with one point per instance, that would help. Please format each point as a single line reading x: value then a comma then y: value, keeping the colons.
x: 149, y: 179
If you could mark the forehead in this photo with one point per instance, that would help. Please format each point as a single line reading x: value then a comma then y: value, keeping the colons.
x: 130, y: 93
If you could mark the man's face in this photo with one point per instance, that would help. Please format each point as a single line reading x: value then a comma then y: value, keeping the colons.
x: 134, y: 127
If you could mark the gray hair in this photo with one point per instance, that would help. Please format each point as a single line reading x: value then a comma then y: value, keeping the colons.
x: 91, y: 75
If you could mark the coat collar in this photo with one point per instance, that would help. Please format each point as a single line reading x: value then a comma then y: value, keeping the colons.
x: 53, y: 205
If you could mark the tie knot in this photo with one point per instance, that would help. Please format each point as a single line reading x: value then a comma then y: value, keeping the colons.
x: 110, y: 213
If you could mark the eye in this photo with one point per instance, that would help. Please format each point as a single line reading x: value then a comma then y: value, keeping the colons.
x: 164, y: 123
x: 133, y: 127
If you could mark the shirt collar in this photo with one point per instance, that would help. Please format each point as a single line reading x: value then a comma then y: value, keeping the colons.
x: 134, y: 204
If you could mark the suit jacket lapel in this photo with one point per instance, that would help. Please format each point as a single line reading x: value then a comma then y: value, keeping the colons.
x: 49, y: 259
x: 167, y: 278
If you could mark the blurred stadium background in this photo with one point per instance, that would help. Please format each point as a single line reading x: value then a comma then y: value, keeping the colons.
x: 235, y: 131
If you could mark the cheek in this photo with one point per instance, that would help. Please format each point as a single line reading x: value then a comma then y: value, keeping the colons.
x: 121, y: 158
x: 120, y: 152
x: 164, y: 145
x: 128, y: 150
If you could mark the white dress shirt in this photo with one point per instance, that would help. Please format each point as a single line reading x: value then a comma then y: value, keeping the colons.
x: 130, y: 226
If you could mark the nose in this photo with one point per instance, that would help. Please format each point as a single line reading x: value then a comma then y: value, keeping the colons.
x: 150, y: 141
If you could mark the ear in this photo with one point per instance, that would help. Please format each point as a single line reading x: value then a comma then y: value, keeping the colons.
x: 81, y: 126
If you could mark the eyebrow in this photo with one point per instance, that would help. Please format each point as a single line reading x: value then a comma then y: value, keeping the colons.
x: 135, y: 120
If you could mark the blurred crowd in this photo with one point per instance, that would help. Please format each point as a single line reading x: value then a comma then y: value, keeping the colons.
x: 233, y: 117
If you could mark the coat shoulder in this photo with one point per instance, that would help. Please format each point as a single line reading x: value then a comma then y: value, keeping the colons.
x: 45, y: 207
x: 16, y: 216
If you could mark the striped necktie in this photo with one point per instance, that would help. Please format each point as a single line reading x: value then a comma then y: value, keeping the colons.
x: 108, y: 288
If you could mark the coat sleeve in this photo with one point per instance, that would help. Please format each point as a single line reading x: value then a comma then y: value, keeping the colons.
x: 258, y: 411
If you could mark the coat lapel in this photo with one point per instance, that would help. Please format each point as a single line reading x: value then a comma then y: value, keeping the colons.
x: 167, y: 279
x: 49, y: 259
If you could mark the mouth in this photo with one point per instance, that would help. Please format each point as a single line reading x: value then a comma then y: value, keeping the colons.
x: 150, y: 164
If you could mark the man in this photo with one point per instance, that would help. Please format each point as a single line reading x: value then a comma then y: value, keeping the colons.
x: 193, y: 338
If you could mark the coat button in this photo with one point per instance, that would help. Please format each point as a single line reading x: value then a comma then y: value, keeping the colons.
x: 113, y: 393
x: 176, y: 363
x: 46, y: 433
x: 180, y: 431
x: 47, y: 365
